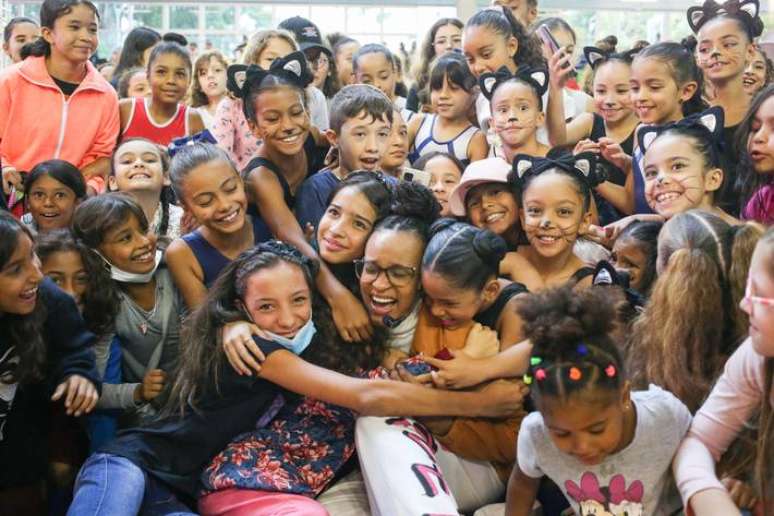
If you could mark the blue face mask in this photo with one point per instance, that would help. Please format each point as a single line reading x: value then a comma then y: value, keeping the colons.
x: 300, y: 342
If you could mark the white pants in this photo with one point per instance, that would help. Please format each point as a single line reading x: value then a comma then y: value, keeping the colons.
x: 408, y: 473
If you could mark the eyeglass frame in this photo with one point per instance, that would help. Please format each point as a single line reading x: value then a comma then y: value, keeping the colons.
x: 765, y: 301
x: 360, y: 268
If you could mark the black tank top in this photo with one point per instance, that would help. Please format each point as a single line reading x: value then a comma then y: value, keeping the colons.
x: 491, y: 315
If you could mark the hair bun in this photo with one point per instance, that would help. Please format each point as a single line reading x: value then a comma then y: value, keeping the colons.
x: 415, y: 200
x: 441, y: 225
x: 491, y: 248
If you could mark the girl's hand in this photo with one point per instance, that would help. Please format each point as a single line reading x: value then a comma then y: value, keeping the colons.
x: 242, y: 352
x: 11, y: 179
x: 401, y: 374
x: 309, y: 232
x: 586, y: 146
x: 80, y: 395
x: 559, y: 68
x: 741, y: 493
x: 188, y: 223
x: 458, y: 373
x: 351, y: 318
x: 152, y: 384
x: 614, y: 153
x: 504, y: 398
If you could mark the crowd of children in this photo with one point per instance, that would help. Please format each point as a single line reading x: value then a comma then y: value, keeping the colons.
x: 306, y: 283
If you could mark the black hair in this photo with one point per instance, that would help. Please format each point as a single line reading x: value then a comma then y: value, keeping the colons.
x: 682, y: 65
x: 136, y: 43
x: 253, y: 88
x: 97, y: 216
x: 414, y: 208
x: 352, y: 100
x: 167, y: 195
x: 454, y: 68
x: 373, y: 185
x: 189, y: 157
x: 13, y: 23
x: 372, y: 48
x: 176, y: 37
x: 573, y: 352
x: 63, y: 171
x: 100, y: 305
x: 22, y: 332
x: 748, y: 181
x: 125, y: 78
x: 583, y: 187
x: 338, y: 40
x: 50, y: 12
x: 170, y: 47
x: 646, y: 235
x: 729, y: 10
x: 555, y: 23
x: 468, y: 257
x: 422, y: 162
x: 501, y: 21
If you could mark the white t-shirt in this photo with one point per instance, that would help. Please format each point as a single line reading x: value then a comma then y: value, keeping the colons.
x: 318, y: 108
x: 637, y: 479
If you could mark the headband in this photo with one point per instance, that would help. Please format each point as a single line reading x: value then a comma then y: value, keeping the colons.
x: 709, y: 123
x: 583, y: 166
x: 186, y: 141
x: 293, y: 68
x: 596, y: 56
x: 535, y: 77
x: 606, y: 275
x: 746, y: 11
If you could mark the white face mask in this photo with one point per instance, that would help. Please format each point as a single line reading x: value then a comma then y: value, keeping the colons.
x: 132, y: 277
x: 301, y: 340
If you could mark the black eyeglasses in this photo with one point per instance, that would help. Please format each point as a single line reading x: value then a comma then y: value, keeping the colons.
x: 397, y: 275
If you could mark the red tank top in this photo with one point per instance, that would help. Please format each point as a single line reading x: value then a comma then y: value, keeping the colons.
x: 142, y: 125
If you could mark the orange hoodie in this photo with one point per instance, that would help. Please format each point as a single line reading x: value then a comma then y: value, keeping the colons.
x: 37, y: 123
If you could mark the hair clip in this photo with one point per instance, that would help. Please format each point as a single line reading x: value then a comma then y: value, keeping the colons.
x: 527, y: 379
x: 540, y: 374
x: 582, y: 350
x: 610, y: 371
x: 535, y: 361
x: 575, y: 374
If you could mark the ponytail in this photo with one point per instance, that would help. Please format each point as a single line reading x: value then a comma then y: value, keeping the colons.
x: 38, y: 48
x: 742, y: 241
x: 502, y: 21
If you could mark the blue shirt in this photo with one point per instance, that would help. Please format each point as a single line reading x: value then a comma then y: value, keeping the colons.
x: 312, y: 197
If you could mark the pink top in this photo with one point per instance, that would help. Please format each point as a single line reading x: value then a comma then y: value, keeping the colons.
x: 232, y: 132
x: 735, y: 397
x: 761, y: 206
x: 142, y: 125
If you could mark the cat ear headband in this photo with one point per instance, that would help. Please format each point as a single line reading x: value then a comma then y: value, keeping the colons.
x: 535, y: 77
x: 596, y: 56
x: 746, y: 10
x: 606, y: 275
x: 583, y: 165
x: 710, y: 122
x: 293, y: 68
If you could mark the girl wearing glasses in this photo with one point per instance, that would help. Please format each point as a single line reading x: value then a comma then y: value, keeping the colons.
x: 744, y: 388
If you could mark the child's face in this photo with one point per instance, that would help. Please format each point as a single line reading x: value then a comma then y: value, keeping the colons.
x: 396, y: 149
x: 75, y: 35
x: 487, y: 51
x: 447, y: 38
x: 492, y: 206
x: 362, y: 142
x: 754, y: 78
x: 760, y: 143
x: 444, y: 176
x: 66, y: 269
x: 451, y: 101
x: 51, y: 203
x: 588, y: 430
x: 344, y: 62
x: 761, y: 314
x: 655, y: 94
x: 553, y: 215
x: 215, y: 196
x: 130, y: 247
x: 723, y: 49
x: 391, y: 294
x: 274, y: 49
x: 281, y: 120
x: 19, y: 279
x: 629, y: 257
x: 516, y: 113
x: 375, y: 69
x: 138, y: 85
x: 138, y: 167
x: 212, y: 79
x: 278, y: 299
x: 677, y: 178
x: 345, y: 226
x: 453, y: 306
x: 169, y: 78
x: 21, y: 34
x: 612, y: 92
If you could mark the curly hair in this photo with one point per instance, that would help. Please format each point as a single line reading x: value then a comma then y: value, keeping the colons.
x: 501, y: 21
x: 197, y: 96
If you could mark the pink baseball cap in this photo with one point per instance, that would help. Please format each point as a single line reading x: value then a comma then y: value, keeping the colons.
x: 490, y: 170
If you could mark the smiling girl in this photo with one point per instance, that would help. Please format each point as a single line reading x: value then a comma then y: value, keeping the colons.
x: 445, y: 174
x: 163, y: 117
x: 52, y: 191
x: 759, y: 73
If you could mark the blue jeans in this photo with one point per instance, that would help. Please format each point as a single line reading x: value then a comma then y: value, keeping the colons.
x: 110, y: 485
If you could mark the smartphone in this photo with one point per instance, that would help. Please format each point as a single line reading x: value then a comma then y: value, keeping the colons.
x: 416, y: 176
x: 548, y: 39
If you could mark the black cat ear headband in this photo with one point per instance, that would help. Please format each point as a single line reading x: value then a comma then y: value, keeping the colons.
x: 583, y: 165
x: 596, y: 56
x: 606, y: 275
x: 745, y: 10
x: 710, y: 122
x: 535, y: 77
x: 293, y: 68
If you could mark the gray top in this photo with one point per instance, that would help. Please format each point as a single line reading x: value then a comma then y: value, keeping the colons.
x: 114, y: 396
x: 636, y: 480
